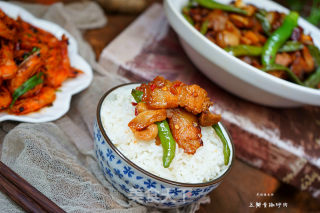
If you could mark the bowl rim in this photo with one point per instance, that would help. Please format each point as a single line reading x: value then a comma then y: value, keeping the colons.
x: 167, y: 181
x: 271, y: 84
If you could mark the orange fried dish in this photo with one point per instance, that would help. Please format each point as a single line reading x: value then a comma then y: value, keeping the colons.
x: 33, y: 64
x: 186, y: 107
x: 239, y: 34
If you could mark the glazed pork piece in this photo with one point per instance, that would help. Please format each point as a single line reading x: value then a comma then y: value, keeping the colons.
x: 160, y: 93
x: 185, y: 129
x: 186, y: 107
x: 163, y: 94
x: 146, y: 118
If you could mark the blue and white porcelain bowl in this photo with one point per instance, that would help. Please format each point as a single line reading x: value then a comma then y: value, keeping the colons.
x: 138, y: 184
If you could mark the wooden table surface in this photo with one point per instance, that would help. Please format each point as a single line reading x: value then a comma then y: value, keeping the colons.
x: 244, y: 184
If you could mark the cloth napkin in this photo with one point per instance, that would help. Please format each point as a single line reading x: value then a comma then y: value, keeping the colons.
x: 57, y: 158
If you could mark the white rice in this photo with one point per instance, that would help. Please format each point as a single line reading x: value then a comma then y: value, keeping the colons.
x: 206, y: 164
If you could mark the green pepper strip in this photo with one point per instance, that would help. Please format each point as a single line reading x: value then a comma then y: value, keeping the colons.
x: 137, y: 95
x: 192, y: 3
x: 291, y: 74
x: 204, y: 27
x: 226, y: 149
x: 314, y: 51
x: 26, y: 86
x: 248, y: 50
x: 278, y: 38
x: 210, y: 4
x: 185, y: 13
x: 168, y: 143
x: 261, y: 16
x: 314, y: 79
x: 164, y: 132
x: 291, y: 46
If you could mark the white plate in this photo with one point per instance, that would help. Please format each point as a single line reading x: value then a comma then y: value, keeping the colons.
x: 235, y: 75
x: 70, y: 87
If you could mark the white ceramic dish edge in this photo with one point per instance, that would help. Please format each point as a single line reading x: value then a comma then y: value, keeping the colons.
x: 70, y: 87
x: 273, y: 91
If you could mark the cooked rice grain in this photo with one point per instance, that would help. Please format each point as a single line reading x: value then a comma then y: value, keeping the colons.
x: 206, y: 164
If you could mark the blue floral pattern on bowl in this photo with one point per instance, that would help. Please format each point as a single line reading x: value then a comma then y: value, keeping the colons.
x: 139, y: 186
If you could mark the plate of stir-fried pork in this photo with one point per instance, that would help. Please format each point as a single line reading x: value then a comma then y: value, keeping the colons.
x: 258, y: 50
x: 40, y: 68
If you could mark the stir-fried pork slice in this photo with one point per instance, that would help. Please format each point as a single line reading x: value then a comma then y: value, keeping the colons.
x: 275, y: 19
x: 252, y: 37
x: 308, y: 59
x: 241, y: 21
x: 226, y: 39
x: 185, y: 129
x: 146, y: 118
x: 207, y: 118
x: 283, y: 59
x: 194, y: 99
x: 298, y: 65
x: 159, y: 94
x: 147, y: 134
x: 306, y: 39
x: 163, y: 94
x: 217, y: 20
x: 141, y: 107
x: 230, y: 36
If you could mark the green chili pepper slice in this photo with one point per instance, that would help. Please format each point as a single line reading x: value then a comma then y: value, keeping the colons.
x: 185, y: 12
x: 210, y: 4
x: 137, y: 95
x: 291, y: 46
x: 313, y: 80
x: 241, y: 50
x: 204, y: 27
x: 278, y: 38
x: 293, y: 76
x: 164, y: 133
x: 189, y: 19
x: 226, y: 149
x: 26, y: 86
x: 249, y: 50
x: 168, y: 143
x: 192, y: 3
x: 315, y: 52
x: 266, y: 26
x: 186, y: 9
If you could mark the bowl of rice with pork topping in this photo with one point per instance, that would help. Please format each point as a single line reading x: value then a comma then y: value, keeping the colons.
x: 159, y: 144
